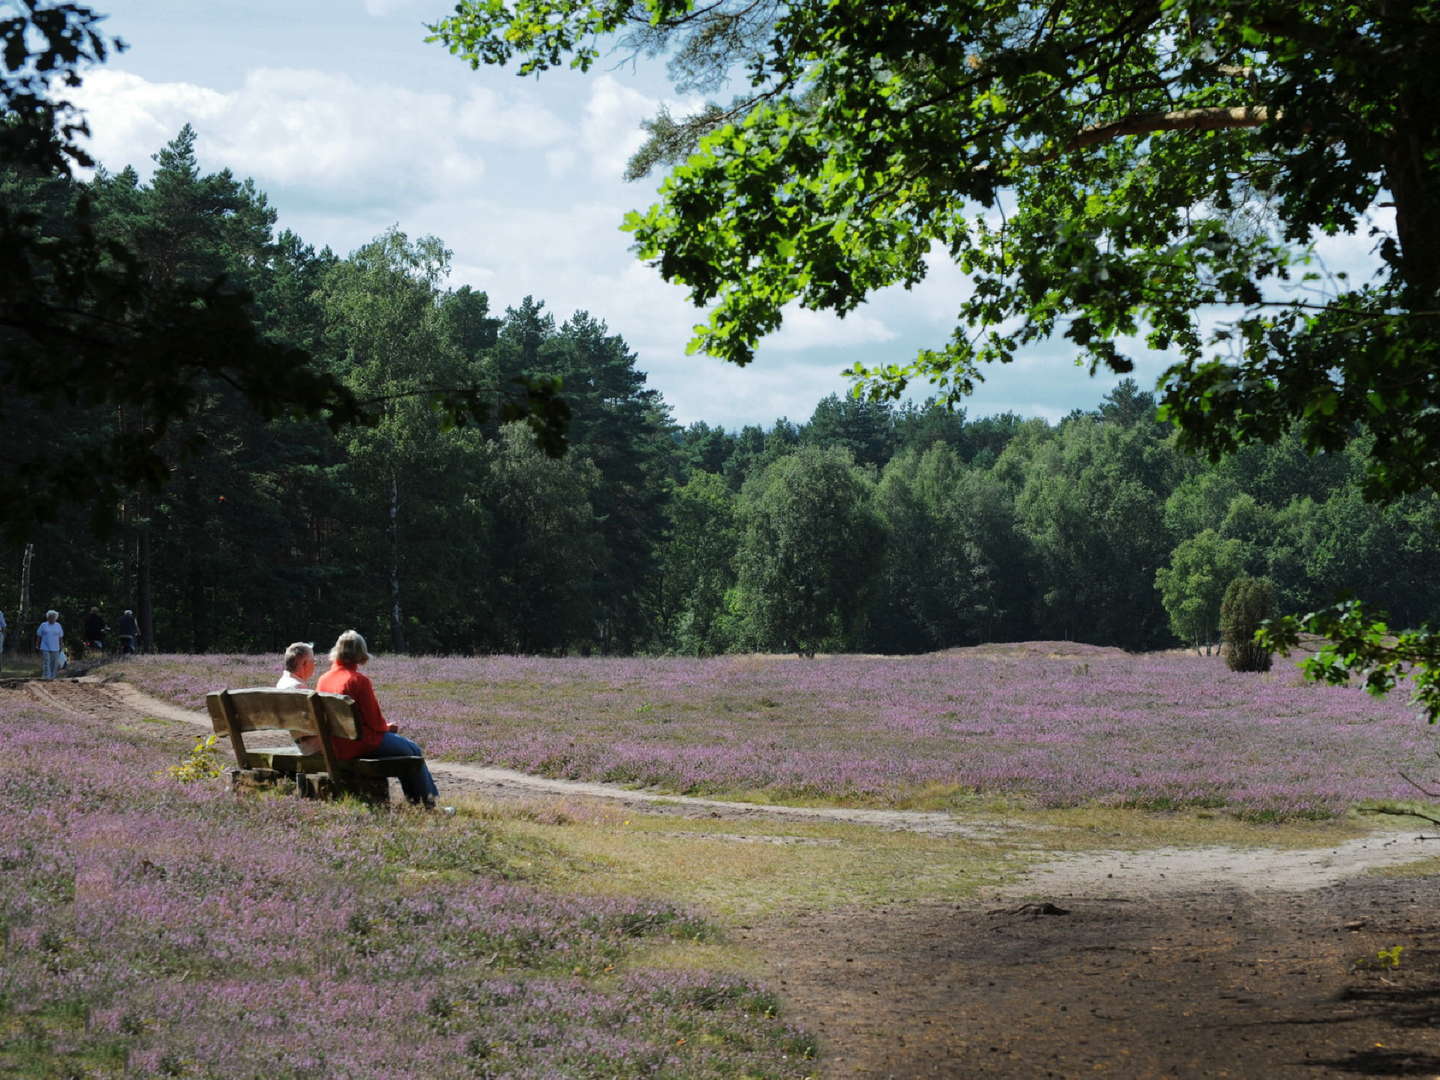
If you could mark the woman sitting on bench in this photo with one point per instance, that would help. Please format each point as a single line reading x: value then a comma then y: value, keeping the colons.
x: 377, y: 738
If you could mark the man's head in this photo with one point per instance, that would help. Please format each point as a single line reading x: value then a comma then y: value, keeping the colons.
x: 300, y: 660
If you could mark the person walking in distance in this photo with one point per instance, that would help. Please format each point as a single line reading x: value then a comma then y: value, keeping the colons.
x: 129, y: 632
x: 94, y: 631
x: 49, y: 638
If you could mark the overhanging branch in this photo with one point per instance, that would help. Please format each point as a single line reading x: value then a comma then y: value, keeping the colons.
x: 1217, y: 118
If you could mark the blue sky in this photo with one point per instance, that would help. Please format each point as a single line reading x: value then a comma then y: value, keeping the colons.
x: 351, y: 123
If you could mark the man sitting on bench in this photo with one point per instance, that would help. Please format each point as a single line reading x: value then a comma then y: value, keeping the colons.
x: 377, y: 738
x: 299, y: 666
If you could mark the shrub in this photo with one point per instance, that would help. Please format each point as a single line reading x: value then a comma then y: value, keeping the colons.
x: 1247, y: 603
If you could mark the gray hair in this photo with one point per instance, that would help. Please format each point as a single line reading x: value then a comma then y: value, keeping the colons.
x: 298, y: 652
x: 52, y: 611
x: 350, y: 648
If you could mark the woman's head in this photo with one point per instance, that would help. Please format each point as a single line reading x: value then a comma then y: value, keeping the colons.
x: 350, y: 649
x: 51, y: 615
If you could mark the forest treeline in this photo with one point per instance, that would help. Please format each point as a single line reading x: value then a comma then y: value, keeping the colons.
x: 865, y: 527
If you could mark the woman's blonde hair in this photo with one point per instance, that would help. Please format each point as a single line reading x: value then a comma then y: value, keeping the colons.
x: 349, y: 648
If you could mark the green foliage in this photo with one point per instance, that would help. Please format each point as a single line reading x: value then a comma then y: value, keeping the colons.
x: 956, y: 568
x: 863, y: 428
x: 1359, y: 640
x: 809, y: 548
x: 1194, y: 584
x: 1247, y: 603
x: 126, y: 310
x: 431, y: 527
x: 1087, y: 503
x: 543, y: 546
x: 1149, y: 163
x: 201, y: 763
x: 696, y: 564
x: 1390, y: 957
x: 1102, y: 172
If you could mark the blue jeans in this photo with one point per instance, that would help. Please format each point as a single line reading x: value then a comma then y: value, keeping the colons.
x: 418, y: 787
x: 49, y: 663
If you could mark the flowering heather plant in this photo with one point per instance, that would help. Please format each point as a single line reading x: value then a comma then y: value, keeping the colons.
x: 1055, y: 723
x: 158, y: 928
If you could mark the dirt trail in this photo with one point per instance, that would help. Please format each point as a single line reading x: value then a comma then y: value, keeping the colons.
x: 1171, y: 963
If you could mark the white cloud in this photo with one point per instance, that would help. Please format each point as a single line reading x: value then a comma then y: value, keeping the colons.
x: 610, y: 130
x: 382, y: 8
x: 704, y: 388
x: 326, y: 137
x: 131, y: 118
x: 559, y: 162
x: 804, y: 329
x: 488, y: 117
x: 1354, y: 253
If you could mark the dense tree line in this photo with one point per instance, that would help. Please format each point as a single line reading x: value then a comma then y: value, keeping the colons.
x: 868, y: 526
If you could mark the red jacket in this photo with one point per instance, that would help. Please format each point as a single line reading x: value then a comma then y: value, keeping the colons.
x: 345, y: 679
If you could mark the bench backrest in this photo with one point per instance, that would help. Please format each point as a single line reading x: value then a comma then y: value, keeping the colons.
x: 268, y: 709
x: 304, y: 712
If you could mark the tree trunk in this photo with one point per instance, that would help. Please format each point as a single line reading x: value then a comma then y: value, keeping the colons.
x: 25, y: 561
x: 1412, y: 173
x: 1417, y: 218
x: 397, y: 625
x: 144, y: 605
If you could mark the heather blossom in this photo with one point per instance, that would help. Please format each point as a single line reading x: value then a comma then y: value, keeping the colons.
x: 1051, y: 723
x: 156, y: 928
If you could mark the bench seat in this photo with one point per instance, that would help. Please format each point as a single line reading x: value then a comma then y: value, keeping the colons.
x: 290, y: 760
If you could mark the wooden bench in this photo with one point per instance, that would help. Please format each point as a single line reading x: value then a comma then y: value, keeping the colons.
x: 302, y: 712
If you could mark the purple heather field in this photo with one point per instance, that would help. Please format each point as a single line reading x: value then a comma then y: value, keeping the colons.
x: 1054, y: 723
x: 159, y: 928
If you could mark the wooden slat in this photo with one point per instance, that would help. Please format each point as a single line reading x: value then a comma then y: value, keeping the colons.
x: 321, y: 720
x: 286, y: 759
x: 340, y: 712
x: 268, y: 709
x: 233, y: 727
x: 217, y: 713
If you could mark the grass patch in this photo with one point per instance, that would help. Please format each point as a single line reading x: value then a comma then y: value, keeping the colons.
x: 1426, y: 867
x: 695, y: 956
x: 740, y: 869
x: 1126, y: 829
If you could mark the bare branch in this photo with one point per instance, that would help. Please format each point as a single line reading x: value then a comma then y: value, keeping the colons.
x: 1212, y: 119
x: 1403, y: 813
x: 1417, y: 787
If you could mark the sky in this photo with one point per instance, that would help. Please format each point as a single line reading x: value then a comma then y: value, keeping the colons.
x: 351, y: 124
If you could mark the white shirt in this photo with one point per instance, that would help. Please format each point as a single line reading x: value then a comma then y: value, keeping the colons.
x: 50, y: 635
x: 309, y: 744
